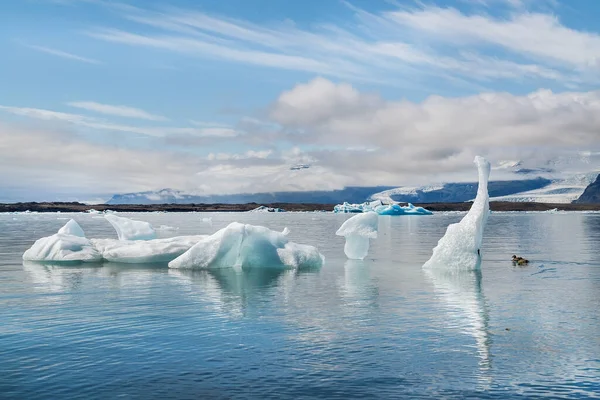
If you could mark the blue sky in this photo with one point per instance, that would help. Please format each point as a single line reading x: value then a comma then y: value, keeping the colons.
x: 224, y: 96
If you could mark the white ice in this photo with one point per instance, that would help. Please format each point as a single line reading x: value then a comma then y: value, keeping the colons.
x: 68, y: 245
x: 128, y: 229
x: 357, y: 231
x: 72, y: 228
x: 380, y: 208
x: 246, y: 247
x: 459, y: 248
x: 145, y: 251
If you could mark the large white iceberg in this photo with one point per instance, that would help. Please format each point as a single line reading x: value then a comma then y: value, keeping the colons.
x: 248, y: 246
x: 380, y: 208
x: 459, y: 248
x: 357, y: 231
x: 145, y: 251
x: 128, y: 229
x: 68, y: 245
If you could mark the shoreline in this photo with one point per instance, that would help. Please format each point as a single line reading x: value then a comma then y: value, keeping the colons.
x: 80, y: 207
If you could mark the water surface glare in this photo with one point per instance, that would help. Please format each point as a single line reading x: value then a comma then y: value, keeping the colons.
x: 380, y: 328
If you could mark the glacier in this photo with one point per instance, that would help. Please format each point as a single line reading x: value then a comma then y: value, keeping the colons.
x: 358, y: 230
x: 129, y: 229
x: 69, y: 244
x: 380, y: 208
x: 244, y: 246
x: 459, y: 248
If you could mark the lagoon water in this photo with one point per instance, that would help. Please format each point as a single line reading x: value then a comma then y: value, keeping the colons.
x: 381, y: 328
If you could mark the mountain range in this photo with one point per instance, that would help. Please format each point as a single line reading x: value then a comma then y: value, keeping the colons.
x: 542, y: 184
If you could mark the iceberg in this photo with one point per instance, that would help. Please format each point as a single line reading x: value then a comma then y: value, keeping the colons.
x: 395, y: 209
x: 357, y: 231
x: 380, y: 208
x: 459, y: 248
x: 145, y: 251
x: 262, y: 209
x: 128, y: 229
x: 244, y: 246
x: 69, y: 244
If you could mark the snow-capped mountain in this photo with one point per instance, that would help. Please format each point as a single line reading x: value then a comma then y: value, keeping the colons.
x: 559, y: 191
x: 558, y: 180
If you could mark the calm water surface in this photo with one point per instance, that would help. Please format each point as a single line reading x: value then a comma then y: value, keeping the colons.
x: 378, y: 328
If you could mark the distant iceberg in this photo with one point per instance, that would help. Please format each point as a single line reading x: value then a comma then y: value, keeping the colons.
x: 358, y: 230
x: 459, y: 248
x: 129, y: 229
x: 267, y: 209
x: 247, y: 246
x: 380, y: 208
x: 69, y: 244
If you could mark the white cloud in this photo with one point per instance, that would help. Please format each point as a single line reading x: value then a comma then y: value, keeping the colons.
x: 93, y: 123
x: 116, y: 110
x: 388, y: 47
x: 413, y: 141
x: 64, y: 54
x: 536, y: 36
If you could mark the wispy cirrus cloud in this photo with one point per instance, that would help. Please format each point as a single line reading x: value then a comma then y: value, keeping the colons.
x: 101, y: 124
x: 64, y: 54
x: 117, y: 110
x: 383, y: 47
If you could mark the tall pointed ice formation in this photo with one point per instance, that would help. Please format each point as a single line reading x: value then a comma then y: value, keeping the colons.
x: 357, y: 231
x: 459, y: 248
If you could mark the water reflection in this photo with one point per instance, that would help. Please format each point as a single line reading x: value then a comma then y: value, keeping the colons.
x: 358, y: 286
x: 57, y: 277
x: 234, y: 291
x: 467, y: 309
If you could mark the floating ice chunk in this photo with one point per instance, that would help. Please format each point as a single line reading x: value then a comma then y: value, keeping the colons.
x: 381, y: 209
x: 267, y: 209
x: 145, y: 251
x: 358, y: 230
x: 72, y: 228
x: 248, y: 246
x: 395, y: 209
x: 459, y: 248
x: 128, y: 229
x: 64, y: 246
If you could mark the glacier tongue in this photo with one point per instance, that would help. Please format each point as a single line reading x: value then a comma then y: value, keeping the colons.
x: 459, y: 248
x: 128, y: 229
x: 246, y: 247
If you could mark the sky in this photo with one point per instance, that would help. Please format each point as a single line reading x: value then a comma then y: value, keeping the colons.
x: 99, y: 97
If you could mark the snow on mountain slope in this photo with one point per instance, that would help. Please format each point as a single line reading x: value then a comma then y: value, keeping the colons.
x: 560, y: 191
x: 386, y: 198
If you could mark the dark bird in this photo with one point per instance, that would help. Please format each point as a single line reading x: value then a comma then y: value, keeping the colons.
x: 519, y: 260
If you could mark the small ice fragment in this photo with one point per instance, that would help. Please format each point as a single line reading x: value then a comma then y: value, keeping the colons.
x: 128, y: 229
x: 357, y: 231
x: 248, y: 246
x: 459, y: 248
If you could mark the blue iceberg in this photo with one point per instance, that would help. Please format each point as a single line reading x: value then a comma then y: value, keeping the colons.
x: 381, y: 208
